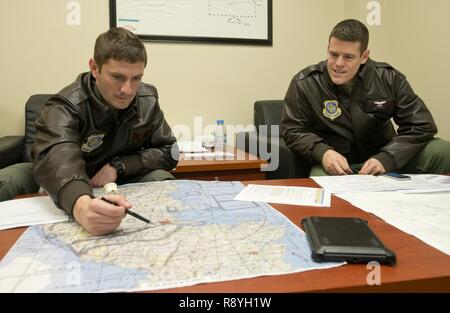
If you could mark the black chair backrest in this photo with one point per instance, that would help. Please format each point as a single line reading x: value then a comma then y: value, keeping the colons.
x: 33, y: 108
x: 267, y: 112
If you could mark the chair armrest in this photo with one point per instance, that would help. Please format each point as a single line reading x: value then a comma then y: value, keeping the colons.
x: 283, y: 163
x: 11, y: 148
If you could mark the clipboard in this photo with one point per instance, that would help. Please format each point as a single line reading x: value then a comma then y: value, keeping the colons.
x: 345, y: 239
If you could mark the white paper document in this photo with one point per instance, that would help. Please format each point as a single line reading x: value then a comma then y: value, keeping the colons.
x: 441, y: 183
x: 191, y: 146
x: 370, y: 183
x: 287, y: 195
x: 30, y: 211
x: 350, y: 183
x: 426, y: 216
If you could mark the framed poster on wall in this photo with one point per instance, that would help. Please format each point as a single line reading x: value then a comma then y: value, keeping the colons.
x: 218, y: 21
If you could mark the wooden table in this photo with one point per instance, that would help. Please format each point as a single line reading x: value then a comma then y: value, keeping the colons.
x: 420, y: 267
x: 242, y: 166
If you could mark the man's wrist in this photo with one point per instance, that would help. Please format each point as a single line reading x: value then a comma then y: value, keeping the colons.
x: 318, y: 152
x: 81, y: 202
x: 386, y: 160
x: 118, y: 164
x: 70, y: 192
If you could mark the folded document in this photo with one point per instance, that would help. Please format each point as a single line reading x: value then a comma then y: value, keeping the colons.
x: 30, y: 211
x: 285, y: 194
x: 191, y: 146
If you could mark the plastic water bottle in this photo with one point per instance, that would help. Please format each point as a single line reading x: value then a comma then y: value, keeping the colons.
x: 220, y: 136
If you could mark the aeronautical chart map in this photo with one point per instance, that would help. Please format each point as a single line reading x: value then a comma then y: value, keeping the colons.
x: 198, y: 234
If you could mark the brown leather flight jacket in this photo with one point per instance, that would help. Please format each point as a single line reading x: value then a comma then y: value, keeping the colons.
x: 320, y: 115
x: 77, y: 134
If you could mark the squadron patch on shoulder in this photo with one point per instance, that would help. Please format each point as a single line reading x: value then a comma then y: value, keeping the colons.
x: 331, y: 109
x: 92, y: 142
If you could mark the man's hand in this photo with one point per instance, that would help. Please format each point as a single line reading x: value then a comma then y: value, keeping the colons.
x: 335, y: 163
x: 99, y: 217
x: 107, y: 174
x: 372, y: 167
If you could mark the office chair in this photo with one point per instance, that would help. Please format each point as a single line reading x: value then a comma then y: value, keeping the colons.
x: 267, y: 113
x: 17, y: 149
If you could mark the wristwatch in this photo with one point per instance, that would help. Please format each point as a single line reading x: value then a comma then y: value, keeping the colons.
x: 118, y: 164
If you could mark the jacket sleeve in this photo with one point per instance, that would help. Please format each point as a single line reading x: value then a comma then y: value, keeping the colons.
x: 296, y: 125
x: 416, y: 127
x: 58, y: 163
x: 160, y: 149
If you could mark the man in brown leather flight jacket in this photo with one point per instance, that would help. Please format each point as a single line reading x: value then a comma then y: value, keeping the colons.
x: 105, y: 127
x: 338, y: 114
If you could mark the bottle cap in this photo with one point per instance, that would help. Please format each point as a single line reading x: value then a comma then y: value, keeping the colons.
x: 110, y: 188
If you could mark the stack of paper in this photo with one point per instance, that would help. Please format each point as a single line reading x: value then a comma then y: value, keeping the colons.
x: 30, y: 211
x: 191, y: 146
x: 369, y: 183
x: 425, y: 216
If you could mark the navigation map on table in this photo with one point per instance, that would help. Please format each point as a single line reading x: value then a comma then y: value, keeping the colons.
x: 198, y: 234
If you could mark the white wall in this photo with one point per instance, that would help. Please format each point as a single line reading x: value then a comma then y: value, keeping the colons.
x: 213, y: 81
x: 42, y: 54
x: 414, y: 37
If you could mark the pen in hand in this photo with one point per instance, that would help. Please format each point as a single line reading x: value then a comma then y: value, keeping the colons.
x: 128, y: 211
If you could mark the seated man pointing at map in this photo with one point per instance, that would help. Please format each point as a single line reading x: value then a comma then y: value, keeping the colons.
x: 105, y: 127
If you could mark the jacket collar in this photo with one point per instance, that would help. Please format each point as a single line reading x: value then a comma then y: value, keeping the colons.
x: 365, y: 73
x: 88, y: 82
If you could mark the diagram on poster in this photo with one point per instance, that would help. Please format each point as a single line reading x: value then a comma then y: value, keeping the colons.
x: 194, y: 20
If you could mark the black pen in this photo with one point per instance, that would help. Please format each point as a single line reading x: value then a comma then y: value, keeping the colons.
x: 128, y: 211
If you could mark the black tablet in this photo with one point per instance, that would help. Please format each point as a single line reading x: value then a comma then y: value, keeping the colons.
x: 345, y: 239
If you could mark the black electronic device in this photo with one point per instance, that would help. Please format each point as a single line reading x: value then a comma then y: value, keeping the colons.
x: 355, y: 168
x: 345, y: 239
x: 397, y: 176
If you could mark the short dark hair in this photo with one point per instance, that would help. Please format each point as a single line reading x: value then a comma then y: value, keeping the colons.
x: 119, y: 44
x: 351, y: 30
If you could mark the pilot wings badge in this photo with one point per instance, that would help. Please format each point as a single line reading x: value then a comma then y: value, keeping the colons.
x: 331, y: 109
x: 380, y: 104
